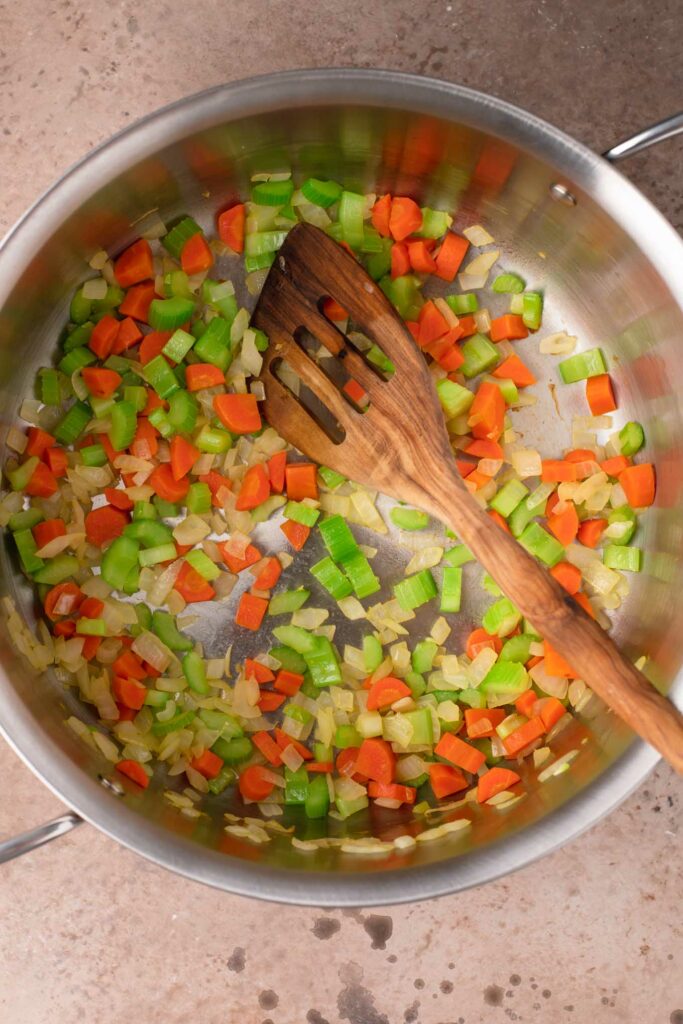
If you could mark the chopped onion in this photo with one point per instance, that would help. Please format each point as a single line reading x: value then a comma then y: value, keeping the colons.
x: 440, y: 631
x: 94, y: 289
x: 482, y: 319
x: 526, y: 462
x: 149, y: 647
x: 291, y: 758
x: 427, y: 558
x: 191, y: 530
x: 351, y: 608
x: 557, y: 344
x: 163, y: 584
x: 239, y: 325
x: 554, y: 686
x: 481, y: 264
x: 478, y: 235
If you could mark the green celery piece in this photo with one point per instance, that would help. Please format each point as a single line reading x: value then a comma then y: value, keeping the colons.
x: 453, y: 398
x: 289, y: 659
x: 346, y: 808
x: 317, y: 800
x: 213, y: 440
x: 624, y: 514
x: 516, y: 648
x: 72, y: 425
x: 296, y: 712
x: 136, y: 395
x: 321, y: 193
x: 378, y: 264
x: 202, y: 564
x: 272, y: 193
x: 347, y: 736
x: 149, y: 532
x: 360, y: 575
x: 183, y: 409
x: 164, y: 626
x: 220, y: 782
x: 20, y: 476
x: 337, y: 538
x: 77, y: 359
x: 233, y: 751
x: 124, y: 419
x: 295, y: 637
x: 631, y: 438
x: 288, y: 601
x: 480, y: 355
x: 521, y: 517
x: 532, y: 310
x: 220, y: 295
x: 27, y: 547
x: 417, y: 684
x: 227, y: 725
x: 161, y: 377
x: 194, y: 671
x: 169, y: 314
x: 330, y: 576
x: 93, y: 455
x: 415, y: 590
x: 214, y: 345
x: 372, y: 241
x: 263, y: 243
x: 423, y: 728
x: 260, y: 262
x: 302, y: 513
x: 179, y: 721
x: 457, y: 556
x: 351, y: 207
x: 80, y: 308
x: 463, y: 305
x: 146, y: 510
x: 179, y: 234
x: 296, y: 786
x: 321, y: 661
x: 490, y: 586
x: 501, y: 617
x: 506, y: 500
x: 422, y: 659
x: 507, y: 387
x: 623, y: 558
x: 435, y: 223
x: 49, y: 387
x: 473, y: 698
x: 91, y: 627
x: 178, y: 345
x: 540, y: 543
x: 177, y: 283
x: 26, y: 519
x: 80, y: 335
x: 198, y: 499
x: 373, y: 654
x: 409, y: 518
x: 58, y: 569
x: 583, y: 365
x: 331, y: 478
x: 507, y: 284
x: 153, y: 556
x: 505, y: 677
x: 451, y: 590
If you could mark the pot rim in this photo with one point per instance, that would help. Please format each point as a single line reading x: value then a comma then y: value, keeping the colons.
x: 322, y: 87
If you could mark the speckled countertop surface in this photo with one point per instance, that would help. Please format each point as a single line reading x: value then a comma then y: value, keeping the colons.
x: 88, y: 931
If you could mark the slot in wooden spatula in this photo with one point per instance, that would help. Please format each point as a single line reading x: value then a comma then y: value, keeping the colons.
x: 399, y: 445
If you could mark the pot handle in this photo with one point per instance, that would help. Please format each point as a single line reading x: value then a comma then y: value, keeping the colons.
x: 665, y: 129
x: 35, y: 837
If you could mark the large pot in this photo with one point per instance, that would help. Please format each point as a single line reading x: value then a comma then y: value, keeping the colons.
x: 611, y: 269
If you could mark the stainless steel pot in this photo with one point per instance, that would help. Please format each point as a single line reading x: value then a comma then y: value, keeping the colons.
x: 611, y: 269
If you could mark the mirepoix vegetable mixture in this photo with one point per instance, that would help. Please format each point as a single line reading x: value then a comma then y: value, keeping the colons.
x: 136, y: 492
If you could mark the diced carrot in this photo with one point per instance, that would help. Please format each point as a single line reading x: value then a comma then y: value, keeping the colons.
x: 508, y: 327
x: 515, y: 370
x: 464, y: 467
x: 414, y: 328
x: 145, y: 444
x: 405, y: 217
x: 579, y: 455
x: 301, y: 481
x: 391, y: 791
x: 129, y: 665
x: 135, y: 264
x: 203, y: 375
x: 38, y: 442
x: 346, y: 765
x: 250, y: 611
x: 333, y: 311
x: 498, y: 518
x: 42, y: 484
x: 564, y: 525
x: 376, y: 759
x: 355, y: 392
x: 320, y: 766
x: 111, y: 454
x: 238, y: 413
x: 152, y: 345
x: 134, y: 771
x: 558, y: 471
x: 99, y: 381
x: 551, y: 711
x: 616, y: 465
x: 421, y: 259
x: 481, y: 722
x: 400, y: 260
x: 276, y: 472
x: 231, y: 224
x: 91, y: 608
x: 380, y: 215
x: 520, y: 738
x: 218, y: 484
x: 459, y: 753
x: 137, y: 301
x: 46, y: 531
x: 125, y: 714
x: 207, y: 764
x: 255, y: 670
x: 482, y: 449
x: 283, y: 741
x: 57, y: 461
x: 235, y: 564
x: 196, y: 256
x: 478, y: 640
x: 567, y: 575
x: 433, y: 324
x: 184, y: 454
x: 128, y: 334
x: 487, y: 412
x: 450, y: 256
x: 163, y: 482
x: 639, y: 484
x: 445, y: 780
x: 590, y: 531
x: 128, y: 692
x: 65, y: 628
x: 556, y: 665
x: 445, y: 352
x: 385, y: 692
x: 296, y: 533
x: 103, y: 336
x: 255, y: 488
x: 191, y: 586
x: 525, y: 703
x: 600, y: 394
x: 270, y: 701
x: 255, y: 783
x: 153, y: 402
x: 468, y: 326
x: 582, y: 600
x: 494, y: 781
x: 62, y: 599
x: 267, y: 746
x: 288, y: 683
x: 269, y: 574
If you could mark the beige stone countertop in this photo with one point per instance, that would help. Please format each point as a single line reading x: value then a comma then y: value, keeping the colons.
x: 88, y: 931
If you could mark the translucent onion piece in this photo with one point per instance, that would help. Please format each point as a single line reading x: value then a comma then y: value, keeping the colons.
x: 478, y: 235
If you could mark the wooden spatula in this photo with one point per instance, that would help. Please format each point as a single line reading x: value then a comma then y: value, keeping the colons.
x: 399, y: 445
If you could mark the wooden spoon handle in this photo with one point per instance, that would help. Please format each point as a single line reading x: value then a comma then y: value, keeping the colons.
x: 558, y: 618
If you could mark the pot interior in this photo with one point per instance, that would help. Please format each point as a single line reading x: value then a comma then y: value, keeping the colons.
x: 598, y: 285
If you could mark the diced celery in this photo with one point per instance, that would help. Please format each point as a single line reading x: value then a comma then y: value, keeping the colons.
x: 462, y: 305
x: 300, y: 640
x: 409, y: 518
x: 272, y: 193
x: 337, y: 538
x: 360, y: 574
x: 453, y: 397
x: 507, y: 284
x: 168, y: 314
x: 299, y: 512
x: 583, y: 365
x: 532, y: 310
x: 624, y: 514
x: 622, y: 557
x: 451, y: 590
x: 505, y: 677
x: 480, y: 355
x: 202, y: 564
x: 351, y: 207
x: 415, y: 590
x: 373, y: 655
x: 501, y: 618
x: 457, y: 556
x: 178, y: 345
x: 321, y: 193
x: 331, y: 478
x: 288, y: 601
x: 423, y: 656
x: 631, y: 438
x: 540, y: 543
x: 506, y: 500
x: 331, y: 578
